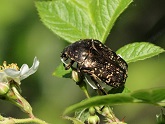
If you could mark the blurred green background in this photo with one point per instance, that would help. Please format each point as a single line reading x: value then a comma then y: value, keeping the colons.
x: 23, y: 36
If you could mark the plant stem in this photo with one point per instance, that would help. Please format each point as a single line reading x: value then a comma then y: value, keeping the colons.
x: 19, y: 121
x: 83, y: 87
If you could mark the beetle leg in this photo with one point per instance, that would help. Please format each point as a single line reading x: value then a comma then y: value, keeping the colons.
x: 98, y: 85
x: 67, y: 66
x: 94, y: 79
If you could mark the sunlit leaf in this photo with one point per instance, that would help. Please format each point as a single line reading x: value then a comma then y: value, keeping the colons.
x: 76, y: 19
x: 139, y: 51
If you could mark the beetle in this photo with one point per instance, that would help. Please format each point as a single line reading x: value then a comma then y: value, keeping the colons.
x: 96, y: 60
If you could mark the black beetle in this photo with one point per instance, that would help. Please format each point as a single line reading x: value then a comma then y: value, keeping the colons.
x: 96, y: 60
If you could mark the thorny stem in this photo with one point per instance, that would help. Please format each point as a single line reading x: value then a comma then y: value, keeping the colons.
x: 21, y: 121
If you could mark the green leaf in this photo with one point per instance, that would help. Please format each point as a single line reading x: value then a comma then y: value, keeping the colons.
x: 82, y: 115
x: 74, y: 120
x: 61, y: 72
x: 139, y: 51
x: 76, y: 19
x: 111, y: 99
x: 154, y: 95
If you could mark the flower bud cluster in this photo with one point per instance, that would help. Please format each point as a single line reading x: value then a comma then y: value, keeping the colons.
x: 93, y: 118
